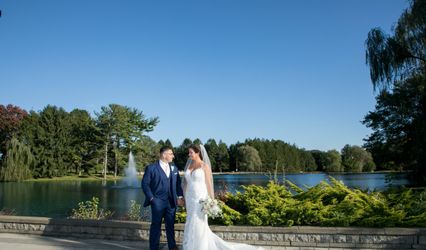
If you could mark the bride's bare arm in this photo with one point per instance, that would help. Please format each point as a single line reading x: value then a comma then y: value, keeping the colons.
x: 209, y: 180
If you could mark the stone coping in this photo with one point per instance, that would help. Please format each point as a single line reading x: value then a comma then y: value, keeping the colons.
x: 245, y: 229
x: 297, y: 237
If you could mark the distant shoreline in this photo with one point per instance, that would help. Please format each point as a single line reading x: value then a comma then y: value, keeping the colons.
x: 111, y: 178
x: 314, y: 172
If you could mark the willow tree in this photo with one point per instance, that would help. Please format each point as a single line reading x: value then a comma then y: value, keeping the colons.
x: 333, y: 161
x: 248, y: 159
x: 397, y: 69
x: 17, y: 163
x: 356, y: 159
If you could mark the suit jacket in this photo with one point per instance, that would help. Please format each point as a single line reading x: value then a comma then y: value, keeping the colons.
x: 155, y: 184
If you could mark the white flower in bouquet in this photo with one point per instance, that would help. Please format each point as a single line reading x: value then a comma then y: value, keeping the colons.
x: 211, y: 207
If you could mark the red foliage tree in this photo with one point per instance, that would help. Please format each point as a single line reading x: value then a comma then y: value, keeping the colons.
x: 10, y: 121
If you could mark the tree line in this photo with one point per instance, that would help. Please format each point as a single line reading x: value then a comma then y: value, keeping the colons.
x: 262, y: 155
x: 54, y: 143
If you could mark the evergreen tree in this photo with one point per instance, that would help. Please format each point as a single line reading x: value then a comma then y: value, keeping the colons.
x: 48, y: 135
x: 283, y: 156
x: 307, y: 161
x: 197, y: 141
x: 181, y: 153
x: 321, y: 159
x: 233, y: 156
x: 222, y: 159
x: 168, y: 143
x: 146, y: 151
x: 213, y: 151
x: 85, y: 141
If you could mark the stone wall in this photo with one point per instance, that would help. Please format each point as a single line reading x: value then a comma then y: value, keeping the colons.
x: 318, y: 238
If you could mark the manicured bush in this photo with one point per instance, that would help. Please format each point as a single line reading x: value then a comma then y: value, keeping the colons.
x: 326, y: 204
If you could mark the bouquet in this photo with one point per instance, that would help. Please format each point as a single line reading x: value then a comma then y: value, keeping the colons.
x: 210, y: 207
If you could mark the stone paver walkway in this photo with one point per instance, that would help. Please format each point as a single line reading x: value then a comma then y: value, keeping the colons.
x: 37, y: 242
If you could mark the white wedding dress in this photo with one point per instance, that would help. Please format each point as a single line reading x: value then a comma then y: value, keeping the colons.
x: 197, y: 234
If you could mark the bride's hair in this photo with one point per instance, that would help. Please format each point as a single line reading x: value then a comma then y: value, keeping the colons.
x: 201, y: 151
x: 197, y: 149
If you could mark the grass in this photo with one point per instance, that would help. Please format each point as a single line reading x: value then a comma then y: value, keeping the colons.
x: 94, y: 177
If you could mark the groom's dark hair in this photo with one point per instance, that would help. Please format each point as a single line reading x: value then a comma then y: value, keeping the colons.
x: 165, y: 148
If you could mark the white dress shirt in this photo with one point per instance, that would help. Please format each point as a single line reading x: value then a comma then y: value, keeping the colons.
x: 166, y: 168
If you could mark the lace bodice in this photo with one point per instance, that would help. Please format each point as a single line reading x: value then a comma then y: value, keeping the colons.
x: 195, y: 184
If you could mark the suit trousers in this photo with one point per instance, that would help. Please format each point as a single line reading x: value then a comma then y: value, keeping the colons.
x: 162, y: 209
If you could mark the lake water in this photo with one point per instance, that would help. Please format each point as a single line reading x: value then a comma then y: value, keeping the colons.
x: 58, y: 198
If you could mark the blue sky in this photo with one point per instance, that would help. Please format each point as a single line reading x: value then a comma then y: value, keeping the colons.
x: 223, y: 69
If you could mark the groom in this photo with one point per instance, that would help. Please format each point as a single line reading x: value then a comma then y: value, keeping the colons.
x: 162, y: 187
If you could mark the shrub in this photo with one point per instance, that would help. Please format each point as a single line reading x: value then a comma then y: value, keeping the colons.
x: 327, y: 204
x: 90, y: 210
x: 134, y: 211
x: 180, y: 215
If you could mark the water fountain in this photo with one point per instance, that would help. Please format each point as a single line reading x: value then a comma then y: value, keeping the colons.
x: 131, y: 179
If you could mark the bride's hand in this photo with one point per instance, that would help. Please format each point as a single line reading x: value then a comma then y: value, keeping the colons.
x: 181, y: 202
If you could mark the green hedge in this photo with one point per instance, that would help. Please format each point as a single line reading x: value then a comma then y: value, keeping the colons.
x: 326, y: 204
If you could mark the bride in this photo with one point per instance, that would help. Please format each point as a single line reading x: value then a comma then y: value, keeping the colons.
x: 199, y: 185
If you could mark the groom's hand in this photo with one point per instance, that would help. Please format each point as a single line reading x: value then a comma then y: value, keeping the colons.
x: 181, y: 202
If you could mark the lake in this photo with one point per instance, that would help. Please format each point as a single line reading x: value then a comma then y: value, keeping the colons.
x: 57, y: 198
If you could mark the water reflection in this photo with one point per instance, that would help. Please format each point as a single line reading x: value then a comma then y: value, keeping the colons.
x: 370, y: 181
x: 58, y: 198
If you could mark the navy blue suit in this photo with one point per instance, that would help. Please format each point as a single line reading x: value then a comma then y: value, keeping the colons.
x: 161, y: 193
